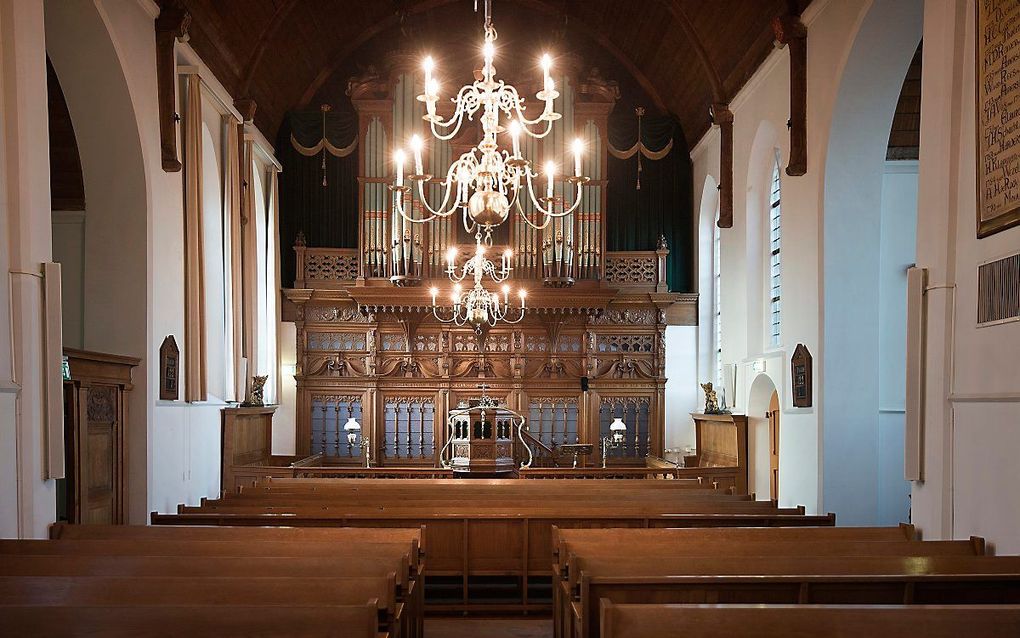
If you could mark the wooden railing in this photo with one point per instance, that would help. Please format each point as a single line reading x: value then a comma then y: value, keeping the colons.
x: 408, y: 262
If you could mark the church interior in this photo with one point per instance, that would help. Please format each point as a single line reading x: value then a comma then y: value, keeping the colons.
x: 510, y: 318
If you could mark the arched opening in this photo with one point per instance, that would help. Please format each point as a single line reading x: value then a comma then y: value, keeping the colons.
x: 762, y: 414
x: 114, y: 292
x: 868, y: 230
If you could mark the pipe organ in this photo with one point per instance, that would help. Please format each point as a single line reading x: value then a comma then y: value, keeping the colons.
x: 590, y: 348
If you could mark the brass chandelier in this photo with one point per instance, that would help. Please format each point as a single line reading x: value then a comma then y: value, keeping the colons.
x: 486, y: 182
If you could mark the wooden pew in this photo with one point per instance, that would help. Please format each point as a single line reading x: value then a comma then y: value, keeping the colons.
x: 340, y: 621
x: 783, y: 621
x: 64, y: 591
x: 487, y: 528
x: 668, y: 550
x: 795, y: 580
x: 400, y: 559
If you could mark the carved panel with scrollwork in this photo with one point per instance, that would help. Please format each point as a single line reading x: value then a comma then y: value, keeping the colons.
x: 320, y: 266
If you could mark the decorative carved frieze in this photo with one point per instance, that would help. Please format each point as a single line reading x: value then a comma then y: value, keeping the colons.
x: 336, y: 314
x: 627, y: 316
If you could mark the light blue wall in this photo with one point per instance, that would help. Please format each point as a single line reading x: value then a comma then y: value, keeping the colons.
x: 858, y: 455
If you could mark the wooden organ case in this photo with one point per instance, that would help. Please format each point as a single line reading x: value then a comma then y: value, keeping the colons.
x: 369, y: 348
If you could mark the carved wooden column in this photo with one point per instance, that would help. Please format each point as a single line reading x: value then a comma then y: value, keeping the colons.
x: 789, y: 30
x: 171, y: 25
x: 723, y: 117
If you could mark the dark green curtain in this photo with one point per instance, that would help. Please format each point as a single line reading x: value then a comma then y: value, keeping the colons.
x: 664, y: 205
x: 327, y: 215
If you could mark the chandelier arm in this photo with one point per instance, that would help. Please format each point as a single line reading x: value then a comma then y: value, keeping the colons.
x: 526, y: 128
x: 458, y: 115
x: 524, y: 216
x: 441, y: 211
x: 515, y: 104
x: 399, y: 207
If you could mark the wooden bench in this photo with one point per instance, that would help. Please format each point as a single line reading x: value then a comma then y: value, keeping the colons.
x: 794, y: 580
x: 487, y: 529
x: 399, y: 558
x: 84, y: 591
x: 117, y: 621
x: 667, y: 551
x: 783, y: 621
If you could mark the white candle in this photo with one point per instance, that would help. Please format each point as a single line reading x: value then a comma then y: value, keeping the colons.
x: 434, y: 291
x: 398, y: 160
x: 431, y: 95
x: 489, y: 51
x: 515, y: 135
x: 550, y: 169
x: 523, y: 293
x: 546, y: 67
x: 578, y: 147
x: 428, y: 64
x: 416, y: 146
x: 506, y: 294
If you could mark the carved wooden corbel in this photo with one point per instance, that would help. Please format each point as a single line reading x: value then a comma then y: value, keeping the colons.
x: 789, y: 30
x: 246, y: 107
x: 722, y: 116
x: 171, y: 25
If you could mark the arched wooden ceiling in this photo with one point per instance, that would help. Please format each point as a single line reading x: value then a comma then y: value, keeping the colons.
x: 682, y: 54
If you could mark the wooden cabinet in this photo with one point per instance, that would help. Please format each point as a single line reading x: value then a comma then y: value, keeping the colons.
x: 95, y: 426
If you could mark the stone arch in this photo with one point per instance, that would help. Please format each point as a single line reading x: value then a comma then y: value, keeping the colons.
x: 858, y: 470
x: 85, y: 56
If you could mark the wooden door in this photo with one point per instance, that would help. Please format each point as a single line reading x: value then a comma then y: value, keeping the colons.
x: 773, y: 418
x: 100, y: 455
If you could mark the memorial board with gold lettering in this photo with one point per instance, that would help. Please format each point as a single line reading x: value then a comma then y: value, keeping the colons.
x: 998, y: 113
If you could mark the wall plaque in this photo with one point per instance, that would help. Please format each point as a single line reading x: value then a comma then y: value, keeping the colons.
x: 169, y: 366
x: 801, y: 377
x: 998, y: 115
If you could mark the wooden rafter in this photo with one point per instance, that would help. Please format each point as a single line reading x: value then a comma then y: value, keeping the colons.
x: 790, y: 31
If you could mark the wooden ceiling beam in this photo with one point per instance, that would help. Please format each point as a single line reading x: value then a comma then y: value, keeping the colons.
x: 538, y: 5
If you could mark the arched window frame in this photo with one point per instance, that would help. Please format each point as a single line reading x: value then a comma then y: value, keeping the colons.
x: 717, y: 299
x: 774, y: 253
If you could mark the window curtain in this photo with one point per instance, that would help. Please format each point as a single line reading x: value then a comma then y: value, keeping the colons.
x: 194, y: 276
x: 273, y: 284
x: 663, y: 205
x: 249, y: 263
x: 233, y: 152
x: 326, y: 214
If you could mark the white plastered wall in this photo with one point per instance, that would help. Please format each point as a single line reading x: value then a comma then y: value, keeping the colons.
x: 765, y: 98
x: 971, y: 430
x: 134, y: 294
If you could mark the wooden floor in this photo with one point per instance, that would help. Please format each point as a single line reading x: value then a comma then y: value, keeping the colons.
x: 488, y: 627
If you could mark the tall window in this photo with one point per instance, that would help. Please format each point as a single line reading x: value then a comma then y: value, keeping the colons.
x: 775, y: 268
x: 717, y: 300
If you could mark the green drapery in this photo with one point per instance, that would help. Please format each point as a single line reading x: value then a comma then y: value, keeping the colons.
x: 663, y: 205
x: 327, y: 215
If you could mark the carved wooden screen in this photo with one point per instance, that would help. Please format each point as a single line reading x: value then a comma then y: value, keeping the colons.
x: 634, y: 412
x: 553, y: 420
x: 329, y: 414
x: 409, y: 432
